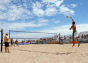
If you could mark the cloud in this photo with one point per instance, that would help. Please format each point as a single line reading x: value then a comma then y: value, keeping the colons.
x: 43, y: 21
x: 50, y: 1
x: 59, y: 29
x: 57, y: 22
x: 73, y: 5
x: 13, y: 12
x: 55, y: 2
x: 66, y: 11
x: 4, y: 4
x: 23, y: 25
x: 20, y: 25
x: 50, y: 11
x: 59, y: 2
x: 5, y: 1
x: 2, y: 7
x: 37, y: 9
x: 81, y: 28
x: 51, y: 8
x: 64, y: 29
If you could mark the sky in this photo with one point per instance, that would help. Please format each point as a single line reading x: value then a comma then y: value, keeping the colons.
x: 43, y: 15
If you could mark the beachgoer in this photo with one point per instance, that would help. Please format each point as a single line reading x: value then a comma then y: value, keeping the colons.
x: 16, y: 42
x: 6, y: 40
x: 74, y: 35
x: 12, y: 41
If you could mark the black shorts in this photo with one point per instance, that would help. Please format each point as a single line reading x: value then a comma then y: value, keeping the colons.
x: 6, y: 44
x: 11, y: 43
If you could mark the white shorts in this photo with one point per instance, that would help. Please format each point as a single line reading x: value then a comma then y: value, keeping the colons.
x: 75, y: 35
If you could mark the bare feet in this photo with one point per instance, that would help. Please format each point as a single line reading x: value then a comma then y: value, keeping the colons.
x: 78, y: 45
x: 73, y: 45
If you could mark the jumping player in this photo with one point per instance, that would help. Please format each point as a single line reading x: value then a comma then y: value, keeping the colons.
x: 74, y: 35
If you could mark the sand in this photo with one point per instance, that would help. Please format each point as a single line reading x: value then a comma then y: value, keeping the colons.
x: 46, y: 53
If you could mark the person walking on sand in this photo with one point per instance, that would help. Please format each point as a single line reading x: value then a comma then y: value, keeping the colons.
x: 12, y: 41
x: 74, y: 35
x: 6, y: 40
x: 16, y: 42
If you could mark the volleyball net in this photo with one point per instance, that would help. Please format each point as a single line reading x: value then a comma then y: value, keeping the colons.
x: 33, y: 37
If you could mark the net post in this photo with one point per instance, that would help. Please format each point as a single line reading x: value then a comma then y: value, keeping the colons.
x: 59, y: 38
x: 9, y: 34
x: 1, y: 40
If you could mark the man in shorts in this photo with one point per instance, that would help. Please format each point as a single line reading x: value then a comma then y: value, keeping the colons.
x: 6, y: 40
x: 74, y: 35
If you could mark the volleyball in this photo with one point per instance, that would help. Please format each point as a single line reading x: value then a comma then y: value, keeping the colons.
x: 66, y: 16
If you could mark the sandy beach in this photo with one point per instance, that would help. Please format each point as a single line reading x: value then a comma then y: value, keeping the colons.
x: 46, y: 53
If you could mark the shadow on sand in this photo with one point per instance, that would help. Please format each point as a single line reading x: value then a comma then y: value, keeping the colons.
x: 58, y: 53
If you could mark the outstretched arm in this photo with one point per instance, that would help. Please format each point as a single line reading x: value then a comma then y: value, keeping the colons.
x: 72, y: 18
